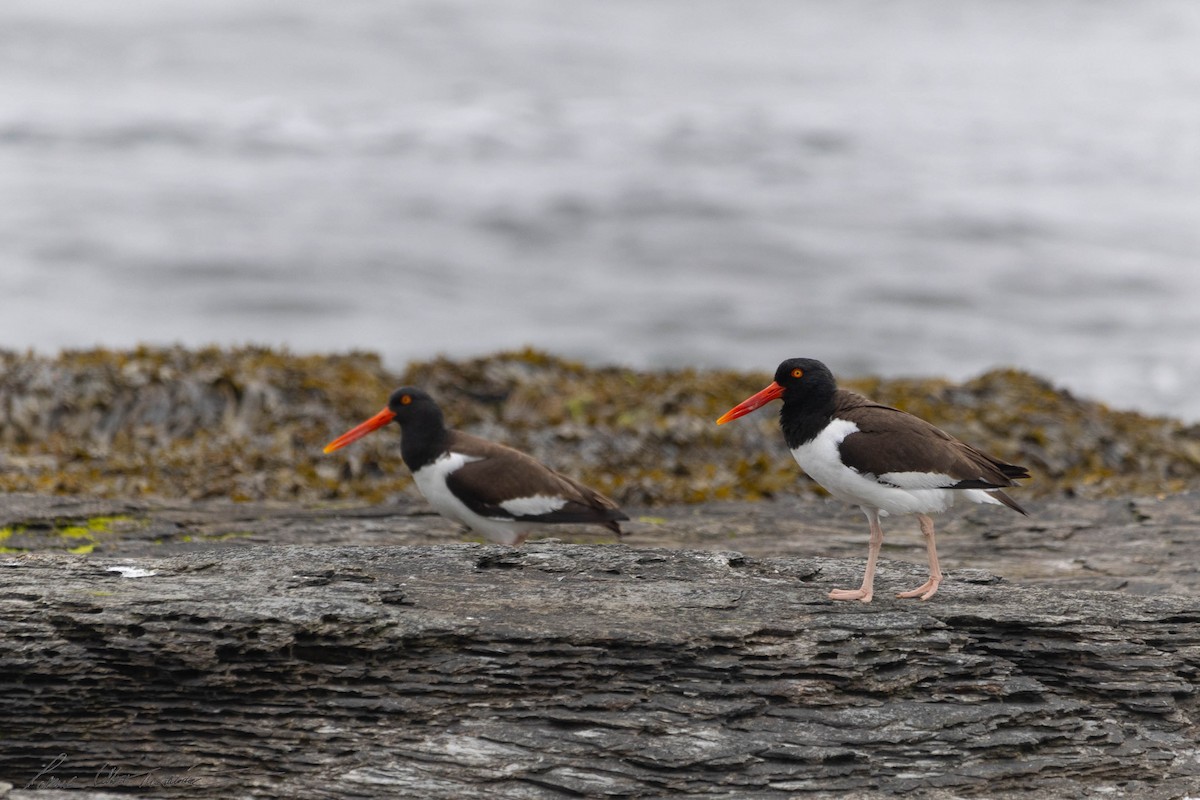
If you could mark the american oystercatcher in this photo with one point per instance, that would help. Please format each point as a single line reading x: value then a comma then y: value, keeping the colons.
x: 494, y: 490
x: 882, y: 459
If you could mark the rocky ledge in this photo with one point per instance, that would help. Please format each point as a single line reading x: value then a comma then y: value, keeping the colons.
x: 215, y: 650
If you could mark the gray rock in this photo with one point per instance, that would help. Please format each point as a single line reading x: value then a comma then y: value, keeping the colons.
x: 341, y: 653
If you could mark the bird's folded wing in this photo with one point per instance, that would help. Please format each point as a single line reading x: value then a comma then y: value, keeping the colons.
x: 524, y: 489
x: 905, y: 451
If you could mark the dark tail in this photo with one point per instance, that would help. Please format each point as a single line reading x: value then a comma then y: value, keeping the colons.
x: 1012, y: 471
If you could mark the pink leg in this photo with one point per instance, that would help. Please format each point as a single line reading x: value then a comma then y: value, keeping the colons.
x: 864, y: 593
x: 929, y: 588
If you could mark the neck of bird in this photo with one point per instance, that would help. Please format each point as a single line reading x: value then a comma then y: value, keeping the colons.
x: 801, y: 420
x: 422, y: 443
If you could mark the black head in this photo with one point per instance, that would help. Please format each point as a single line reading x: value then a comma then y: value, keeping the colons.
x: 802, y: 378
x: 806, y: 387
x: 410, y: 404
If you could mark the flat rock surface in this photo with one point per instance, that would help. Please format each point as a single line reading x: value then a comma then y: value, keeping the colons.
x: 219, y: 650
x: 1145, y: 545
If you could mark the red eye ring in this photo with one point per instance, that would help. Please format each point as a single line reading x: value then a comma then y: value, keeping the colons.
x: 797, y: 373
x: 406, y: 399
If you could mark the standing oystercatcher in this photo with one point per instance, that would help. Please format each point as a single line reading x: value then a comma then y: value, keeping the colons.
x: 882, y: 459
x: 492, y: 489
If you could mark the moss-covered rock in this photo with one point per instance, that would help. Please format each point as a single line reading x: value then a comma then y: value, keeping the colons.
x: 250, y: 423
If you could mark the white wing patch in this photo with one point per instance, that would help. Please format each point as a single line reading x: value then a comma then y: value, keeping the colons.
x: 917, y: 480
x: 534, y: 505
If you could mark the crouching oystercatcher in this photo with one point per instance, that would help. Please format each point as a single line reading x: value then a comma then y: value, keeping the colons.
x: 882, y: 459
x: 494, y: 490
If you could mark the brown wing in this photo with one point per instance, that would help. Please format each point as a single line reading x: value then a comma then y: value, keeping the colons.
x: 502, y: 475
x: 910, y: 451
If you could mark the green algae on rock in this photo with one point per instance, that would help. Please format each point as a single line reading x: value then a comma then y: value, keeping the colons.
x: 249, y: 424
x: 78, y: 536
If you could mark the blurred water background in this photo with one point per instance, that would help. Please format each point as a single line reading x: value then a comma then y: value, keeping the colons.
x: 900, y: 187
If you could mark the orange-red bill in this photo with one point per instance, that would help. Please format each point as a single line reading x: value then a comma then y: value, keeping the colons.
x: 358, y: 431
x: 752, y: 403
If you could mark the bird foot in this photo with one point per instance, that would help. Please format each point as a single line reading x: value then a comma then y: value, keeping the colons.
x: 925, y: 591
x: 862, y: 595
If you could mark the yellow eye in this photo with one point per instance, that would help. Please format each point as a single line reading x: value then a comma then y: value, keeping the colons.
x: 406, y: 399
x: 797, y: 373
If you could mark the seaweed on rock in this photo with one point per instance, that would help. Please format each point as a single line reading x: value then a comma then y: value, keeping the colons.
x: 249, y: 423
